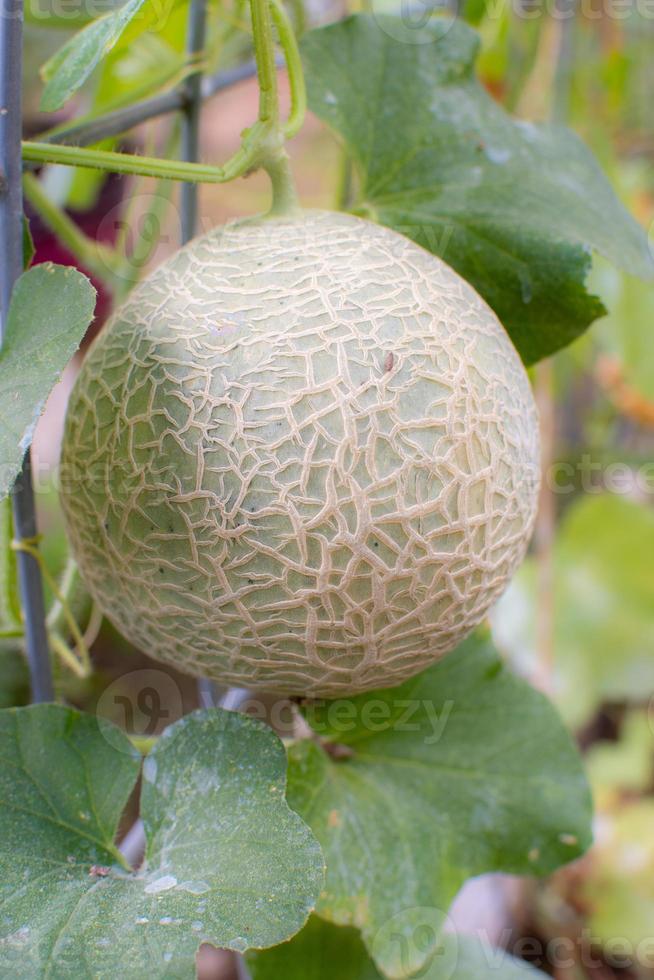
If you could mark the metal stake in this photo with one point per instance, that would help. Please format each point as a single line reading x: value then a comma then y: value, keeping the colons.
x: 197, y: 27
x: 11, y: 267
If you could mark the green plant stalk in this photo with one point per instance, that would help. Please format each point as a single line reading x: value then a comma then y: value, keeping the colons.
x: 82, y: 661
x: 285, y: 200
x: 72, y: 595
x: 128, y: 163
x: 98, y: 259
x: 67, y: 657
x: 273, y: 157
x: 10, y: 611
x: 291, y: 51
x: 264, y: 54
x: 299, y: 17
x: 343, y: 194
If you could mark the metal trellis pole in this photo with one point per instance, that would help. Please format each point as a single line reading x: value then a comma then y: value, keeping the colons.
x: 11, y: 266
x: 197, y: 26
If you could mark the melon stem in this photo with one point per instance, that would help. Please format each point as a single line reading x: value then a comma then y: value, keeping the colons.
x: 285, y: 201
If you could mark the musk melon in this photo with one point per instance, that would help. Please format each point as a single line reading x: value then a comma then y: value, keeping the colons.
x: 302, y: 457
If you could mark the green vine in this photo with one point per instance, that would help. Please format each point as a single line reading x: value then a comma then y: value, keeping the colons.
x: 264, y: 54
x: 10, y: 611
x: 289, y: 45
x: 79, y: 663
x: 129, y: 163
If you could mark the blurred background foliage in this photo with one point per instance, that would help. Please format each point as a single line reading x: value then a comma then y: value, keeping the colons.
x: 579, y: 617
x: 585, y: 623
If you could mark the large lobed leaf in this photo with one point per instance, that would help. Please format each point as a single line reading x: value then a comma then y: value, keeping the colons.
x: 462, y: 770
x: 227, y: 861
x: 323, y: 951
x: 51, y: 307
x: 513, y: 207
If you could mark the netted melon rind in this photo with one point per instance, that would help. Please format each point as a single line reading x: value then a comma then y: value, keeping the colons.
x: 302, y: 457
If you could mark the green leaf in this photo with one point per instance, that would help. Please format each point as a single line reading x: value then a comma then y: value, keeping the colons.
x: 462, y: 770
x: 227, y: 861
x: 320, y: 952
x: 323, y: 951
x: 148, y: 63
x: 69, y: 68
x: 603, y: 601
x: 51, y: 307
x: 513, y: 207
